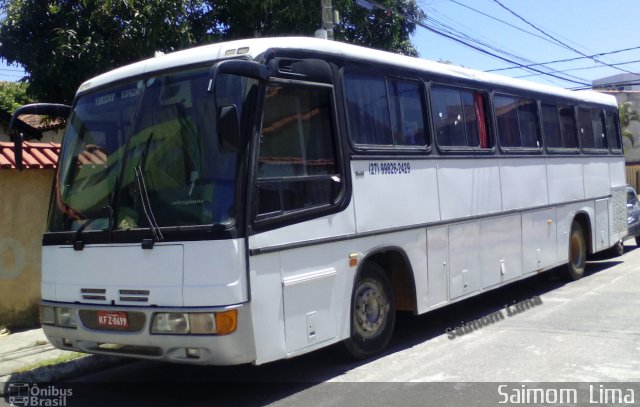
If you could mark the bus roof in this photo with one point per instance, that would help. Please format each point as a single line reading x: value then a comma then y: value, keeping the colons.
x: 256, y: 46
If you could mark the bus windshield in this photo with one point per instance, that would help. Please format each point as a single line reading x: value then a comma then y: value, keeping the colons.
x: 162, y: 127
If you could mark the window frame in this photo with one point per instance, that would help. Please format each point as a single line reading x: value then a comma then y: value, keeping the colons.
x: 559, y: 105
x: 280, y: 218
x: 616, y: 127
x: 538, y: 123
x: 387, y: 148
x: 491, y: 139
x: 590, y: 110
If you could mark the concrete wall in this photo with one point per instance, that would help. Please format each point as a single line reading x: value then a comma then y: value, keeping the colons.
x: 24, y: 199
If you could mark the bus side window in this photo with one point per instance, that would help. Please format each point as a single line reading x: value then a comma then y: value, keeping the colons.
x: 459, y: 117
x: 551, y: 126
x: 297, y: 161
x: 568, y: 127
x: 406, y: 104
x: 369, y: 121
x: 507, y: 116
x: 517, y: 122
x: 598, y: 125
x: 613, y: 135
x: 585, y: 129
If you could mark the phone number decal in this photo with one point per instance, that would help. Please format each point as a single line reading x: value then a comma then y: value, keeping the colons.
x: 389, y: 168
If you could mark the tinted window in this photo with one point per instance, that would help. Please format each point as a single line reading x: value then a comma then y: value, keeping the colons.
x: 297, y: 163
x: 613, y: 135
x: 568, y: 127
x: 551, y: 126
x: 517, y: 121
x: 591, y: 129
x: 385, y: 112
x: 369, y: 121
x: 459, y: 118
x: 597, y: 123
x: 406, y: 104
x: 585, y: 128
x: 507, y: 116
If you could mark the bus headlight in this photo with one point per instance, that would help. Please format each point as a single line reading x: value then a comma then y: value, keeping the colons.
x: 47, y: 315
x: 57, y: 316
x: 65, y: 317
x: 170, y: 323
x: 196, y: 323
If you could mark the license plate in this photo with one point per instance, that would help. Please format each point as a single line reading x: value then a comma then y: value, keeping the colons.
x: 113, y: 320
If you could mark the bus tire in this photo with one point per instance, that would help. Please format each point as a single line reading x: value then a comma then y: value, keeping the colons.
x: 373, y: 313
x: 577, y: 252
x: 638, y: 241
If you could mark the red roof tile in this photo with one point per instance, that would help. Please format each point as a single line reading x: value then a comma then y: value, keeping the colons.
x: 42, y: 123
x: 34, y: 155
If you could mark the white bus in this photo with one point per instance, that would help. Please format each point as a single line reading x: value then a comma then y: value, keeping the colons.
x: 254, y: 200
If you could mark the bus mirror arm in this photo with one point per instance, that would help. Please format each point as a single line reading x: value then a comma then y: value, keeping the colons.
x: 239, y: 67
x: 45, y: 109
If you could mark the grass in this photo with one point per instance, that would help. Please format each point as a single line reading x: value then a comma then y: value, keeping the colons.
x: 51, y: 362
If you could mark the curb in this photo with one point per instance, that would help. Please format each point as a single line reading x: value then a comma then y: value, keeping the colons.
x: 63, y: 371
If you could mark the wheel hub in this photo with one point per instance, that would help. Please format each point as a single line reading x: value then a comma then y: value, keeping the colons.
x: 371, y: 308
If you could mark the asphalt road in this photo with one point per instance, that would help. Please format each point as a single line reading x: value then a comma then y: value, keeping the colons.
x: 582, y: 331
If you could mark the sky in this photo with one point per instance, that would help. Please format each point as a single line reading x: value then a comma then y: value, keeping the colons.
x: 585, y: 27
x: 588, y: 26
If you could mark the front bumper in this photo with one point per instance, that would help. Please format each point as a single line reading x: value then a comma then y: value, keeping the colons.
x: 235, y: 348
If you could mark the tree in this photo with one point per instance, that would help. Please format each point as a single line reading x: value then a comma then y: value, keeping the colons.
x: 61, y: 43
x: 627, y: 115
x: 388, y: 29
x: 13, y: 95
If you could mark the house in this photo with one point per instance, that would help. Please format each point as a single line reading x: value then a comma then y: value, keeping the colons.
x: 23, y: 213
x: 626, y: 88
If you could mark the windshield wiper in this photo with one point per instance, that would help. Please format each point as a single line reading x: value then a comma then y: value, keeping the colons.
x: 144, y: 195
x: 79, y: 244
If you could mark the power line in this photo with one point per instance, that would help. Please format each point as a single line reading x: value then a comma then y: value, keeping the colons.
x: 450, y: 30
x: 585, y: 68
x: 460, y: 41
x: 569, y: 59
x: 503, y: 22
x: 554, y: 38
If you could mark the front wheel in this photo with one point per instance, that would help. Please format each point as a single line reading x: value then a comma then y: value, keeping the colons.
x: 577, y: 252
x: 373, y: 313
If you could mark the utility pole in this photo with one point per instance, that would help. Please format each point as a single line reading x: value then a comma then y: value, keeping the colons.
x: 329, y: 19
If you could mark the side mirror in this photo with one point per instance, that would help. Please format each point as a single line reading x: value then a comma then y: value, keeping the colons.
x: 228, y: 129
x: 46, y: 109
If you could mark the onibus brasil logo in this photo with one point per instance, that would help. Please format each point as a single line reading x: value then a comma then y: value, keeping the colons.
x: 34, y: 395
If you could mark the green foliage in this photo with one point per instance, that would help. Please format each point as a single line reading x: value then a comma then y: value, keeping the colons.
x: 61, y: 43
x: 627, y: 115
x: 387, y: 30
x: 13, y: 95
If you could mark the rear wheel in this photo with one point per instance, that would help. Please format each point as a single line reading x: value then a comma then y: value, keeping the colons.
x: 372, y: 313
x: 637, y: 240
x: 577, y: 252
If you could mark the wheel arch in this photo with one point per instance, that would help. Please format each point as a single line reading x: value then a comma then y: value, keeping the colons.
x: 395, y: 263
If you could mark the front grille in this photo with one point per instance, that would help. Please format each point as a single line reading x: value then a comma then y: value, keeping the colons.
x: 134, y: 295
x: 136, y: 321
x: 98, y: 294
